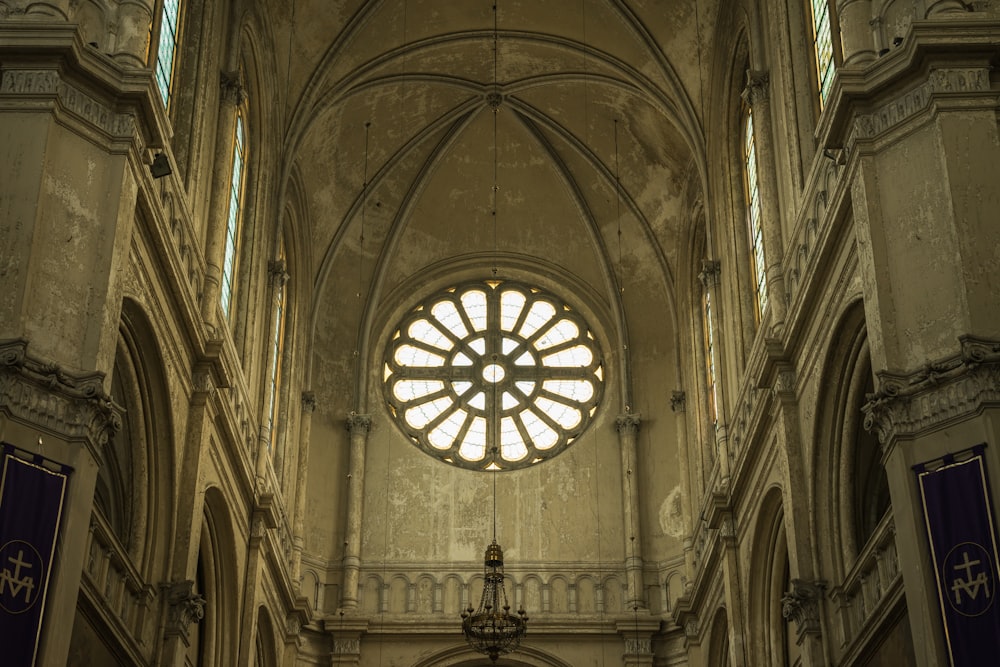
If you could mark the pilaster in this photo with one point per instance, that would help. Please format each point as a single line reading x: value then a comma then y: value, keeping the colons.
x: 359, y: 427
x: 628, y: 430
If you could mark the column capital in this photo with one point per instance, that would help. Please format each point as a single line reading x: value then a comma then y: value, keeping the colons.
x: 277, y: 272
x: 308, y: 401
x: 801, y: 604
x: 757, y: 87
x: 358, y: 423
x: 710, y: 271
x: 628, y: 423
x: 184, y: 607
x: 678, y: 401
x: 232, y: 88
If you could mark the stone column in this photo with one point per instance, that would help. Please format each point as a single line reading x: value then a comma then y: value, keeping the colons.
x: 628, y: 430
x: 231, y: 97
x: 678, y: 402
x: 637, y: 636
x: 757, y: 96
x: 734, y: 593
x: 346, y: 633
x: 298, y: 529
x: 134, y: 20
x: 798, y: 522
x: 856, y: 44
x: 359, y: 427
x: 267, y: 448
x: 709, y: 276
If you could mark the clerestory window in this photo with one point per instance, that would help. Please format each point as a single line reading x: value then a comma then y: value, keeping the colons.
x: 236, y: 182
x: 756, y: 238
x: 493, y: 364
x: 166, y: 54
x: 822, y: 48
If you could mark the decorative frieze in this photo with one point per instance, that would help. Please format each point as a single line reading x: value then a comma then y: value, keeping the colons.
x: 48, y: 82
x: 73, y: 405
x: 915, y: 100
x: 940, y: 392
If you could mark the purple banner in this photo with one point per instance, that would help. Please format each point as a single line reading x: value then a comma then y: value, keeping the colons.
x: 31, y: 502
x: 963, y: 544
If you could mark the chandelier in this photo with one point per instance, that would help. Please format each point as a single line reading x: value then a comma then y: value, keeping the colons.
x: 492, y: 629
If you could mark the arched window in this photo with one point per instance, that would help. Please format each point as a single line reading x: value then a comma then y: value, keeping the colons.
x: 277, y: 344
x: 236, y: 183
x: 822, y: 48
x: 752, y: 192
x: 166, y: 53
x: 713, y: 409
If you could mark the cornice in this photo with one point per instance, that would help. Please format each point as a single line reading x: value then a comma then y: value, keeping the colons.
x: 908, y: 404
x: 68, y: 404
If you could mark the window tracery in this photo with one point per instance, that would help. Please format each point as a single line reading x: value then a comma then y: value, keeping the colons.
x: 493, y: 364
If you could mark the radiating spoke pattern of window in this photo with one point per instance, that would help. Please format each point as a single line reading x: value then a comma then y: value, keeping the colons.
x: 822, y: 47
x: 166, y: 54
x: 491, y: 365
x: 753, y: 217
x: 233, y: 219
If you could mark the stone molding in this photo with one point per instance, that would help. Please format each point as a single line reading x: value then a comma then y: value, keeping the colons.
x: 801, y: 604
x: 184, y: 607
x: 71, y: 405
x: 27, y: 83
x: 359, y: 423
x: 906, y: 404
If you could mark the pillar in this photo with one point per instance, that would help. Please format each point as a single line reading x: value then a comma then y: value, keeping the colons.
x: 757, y: 95
x: 359, y: 427
x: 856, y: 43
x: 628, y: 430
x: 298, y: 525
x: 231, y: 97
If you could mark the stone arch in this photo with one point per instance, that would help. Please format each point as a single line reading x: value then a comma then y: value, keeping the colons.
x: 219, y: 578
x: 464, y: 656
x: 266, y: 643
x: 770, y: 564
x: 719, y: 654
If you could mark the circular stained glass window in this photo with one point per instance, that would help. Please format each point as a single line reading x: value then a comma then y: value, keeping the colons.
x: 493, y: 367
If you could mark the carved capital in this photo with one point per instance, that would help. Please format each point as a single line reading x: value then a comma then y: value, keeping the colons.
x: 756, y: 90
x: 678, y: 401
x: 638, y: 646
x: 709, y: 274
x: 38, y: 392
x: 938, y: 393
x: 691, y: 629
x: 232, y: 89
x: 277, y: 273
x: 628, y: 423
x: 308, y: 401
x: 784, y: 383
x: 359, y: 424
x: 184, y: 607
x: 801, y: 604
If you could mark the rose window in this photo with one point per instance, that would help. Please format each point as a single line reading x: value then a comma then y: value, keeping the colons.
x: 493, y: 367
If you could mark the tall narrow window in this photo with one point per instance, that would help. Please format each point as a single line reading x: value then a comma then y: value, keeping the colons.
x: 713, y: 409
x: 822, y: 48
x: 279, y: 278
x: 166, y: 55
x: 233, y: 220
x: 753, y: 217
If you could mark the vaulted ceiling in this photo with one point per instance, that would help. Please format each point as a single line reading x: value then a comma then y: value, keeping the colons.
x: 593, y: 151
